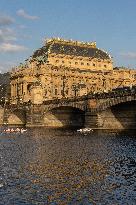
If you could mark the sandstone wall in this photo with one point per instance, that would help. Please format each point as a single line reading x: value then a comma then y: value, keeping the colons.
x: 64, y: 117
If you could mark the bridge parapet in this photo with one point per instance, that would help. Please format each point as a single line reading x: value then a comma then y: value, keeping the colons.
x: 91, y: 105
x: 106, y: 103
x: 77, y: 103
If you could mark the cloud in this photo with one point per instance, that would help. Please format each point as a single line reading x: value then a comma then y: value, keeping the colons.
x: 7, y: 41
x: 6, y: 20
x: 130, y: 55
x: 7, y: 34
x: 11, y: 48
x: 23, y: 14
x: 25, y: 36
x: 5, y: 66
x: 22, y: 26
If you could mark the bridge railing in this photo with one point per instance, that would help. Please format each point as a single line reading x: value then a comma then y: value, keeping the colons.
x: 112, y: 94
x: 105, y: 95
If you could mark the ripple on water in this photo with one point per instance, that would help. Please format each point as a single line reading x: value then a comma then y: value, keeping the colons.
x: 66, y: 167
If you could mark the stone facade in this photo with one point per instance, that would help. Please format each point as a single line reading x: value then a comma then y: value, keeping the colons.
x: 67, y: 69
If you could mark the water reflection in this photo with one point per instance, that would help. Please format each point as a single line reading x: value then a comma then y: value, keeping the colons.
x: 66, y: 167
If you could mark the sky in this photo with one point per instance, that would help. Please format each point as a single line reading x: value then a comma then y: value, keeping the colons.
x: 26, y: 24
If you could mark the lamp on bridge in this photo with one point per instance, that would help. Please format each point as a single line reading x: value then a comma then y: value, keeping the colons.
x: 75, y: 88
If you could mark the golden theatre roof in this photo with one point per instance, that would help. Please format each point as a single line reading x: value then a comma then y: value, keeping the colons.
x: 60, y: 46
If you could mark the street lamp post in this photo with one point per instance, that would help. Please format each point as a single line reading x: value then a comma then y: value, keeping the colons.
x: 63, y: 86
x: 63, y: 83
x: 75, y: 89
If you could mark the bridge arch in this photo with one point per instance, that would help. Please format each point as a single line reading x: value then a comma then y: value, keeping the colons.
x: 64, y: 116
x: 118, y: 114
x: 115, y: 101
x: 81, y: 105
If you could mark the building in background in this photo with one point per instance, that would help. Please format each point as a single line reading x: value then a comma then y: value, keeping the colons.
x: 66, y: 68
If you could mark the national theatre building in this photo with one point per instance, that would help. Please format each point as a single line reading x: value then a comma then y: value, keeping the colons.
x: 66, y: 68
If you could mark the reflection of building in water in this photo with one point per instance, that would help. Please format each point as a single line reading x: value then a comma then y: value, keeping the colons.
x: 64, y: 169
x: 68, y: 68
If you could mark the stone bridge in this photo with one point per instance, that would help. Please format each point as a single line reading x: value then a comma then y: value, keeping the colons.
x: 99, y: 111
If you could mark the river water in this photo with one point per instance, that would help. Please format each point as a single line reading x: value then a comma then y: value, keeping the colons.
x: 61, y: 167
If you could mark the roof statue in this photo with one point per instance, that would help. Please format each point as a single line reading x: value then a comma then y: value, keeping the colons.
x: 70, y: 47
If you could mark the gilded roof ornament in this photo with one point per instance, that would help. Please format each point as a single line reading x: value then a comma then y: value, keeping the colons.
x: 70, y: 42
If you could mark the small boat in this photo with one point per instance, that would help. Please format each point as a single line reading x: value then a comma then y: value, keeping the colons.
x: 17, y: 130
x: 7, y: 130
x: 84, y: 130
x: 23, y: 130
x: 1, y: 185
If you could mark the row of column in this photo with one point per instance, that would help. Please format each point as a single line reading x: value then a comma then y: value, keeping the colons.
x: 18, y: 89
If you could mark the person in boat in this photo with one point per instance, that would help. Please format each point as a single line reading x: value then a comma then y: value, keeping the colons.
x: 12, y: 130
x: 17, y: 130
x: 8, y: 130
x: 23, y: 130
